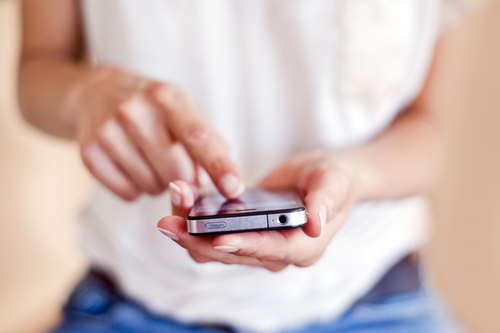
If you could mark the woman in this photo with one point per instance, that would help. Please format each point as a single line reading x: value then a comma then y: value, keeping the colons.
x: 332, y: 97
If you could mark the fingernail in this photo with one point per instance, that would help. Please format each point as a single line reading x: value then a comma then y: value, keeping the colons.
x: 227, y: 249
x: 231, y: 185
x: 322, y: 217
x: 169, y: 234
x: 175, y: 194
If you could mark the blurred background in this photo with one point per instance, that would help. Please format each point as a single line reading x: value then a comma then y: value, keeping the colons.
x: 465, y: 248
x: 43, y: 185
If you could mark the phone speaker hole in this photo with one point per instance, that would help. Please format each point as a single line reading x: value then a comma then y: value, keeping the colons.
x: 283, y: 219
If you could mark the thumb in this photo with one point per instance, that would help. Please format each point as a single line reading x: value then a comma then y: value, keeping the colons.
x: 183, y: 196
x: 325, y: 192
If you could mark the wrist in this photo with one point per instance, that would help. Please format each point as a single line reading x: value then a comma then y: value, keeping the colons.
x: 73, y: 100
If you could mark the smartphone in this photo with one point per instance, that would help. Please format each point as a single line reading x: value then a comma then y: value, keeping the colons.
x: 258, y: 209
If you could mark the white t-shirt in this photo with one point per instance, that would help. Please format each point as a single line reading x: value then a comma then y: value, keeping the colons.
x: 276, y: 77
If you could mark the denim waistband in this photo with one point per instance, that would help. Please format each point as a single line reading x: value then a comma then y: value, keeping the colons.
x: 97, y: 293
x: 402, y: 277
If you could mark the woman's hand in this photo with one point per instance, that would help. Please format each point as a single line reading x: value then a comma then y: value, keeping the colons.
x: 137, y: 135
x: 327, y: 185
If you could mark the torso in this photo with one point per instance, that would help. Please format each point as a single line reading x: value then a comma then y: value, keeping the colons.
x: 276, y: 77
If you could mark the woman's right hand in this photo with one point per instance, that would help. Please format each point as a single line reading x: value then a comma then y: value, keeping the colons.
x: 137, y: 135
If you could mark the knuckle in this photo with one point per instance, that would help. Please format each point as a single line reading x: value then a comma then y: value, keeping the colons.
x: 171, y: 90
x: 131, y: 110
x: 140, y: 120
x: 323, y: 168
x: 340, y: 180
x: 327, y: 196
x: 125, y: 109
x: 217, y: 165
x: 152, y: 187
x: 195, y: 134
x: 129, y: 194
x: 106, y: 133
x: 169, y: 94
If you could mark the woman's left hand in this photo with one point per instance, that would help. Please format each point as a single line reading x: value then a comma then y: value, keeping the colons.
x: 327, y: 185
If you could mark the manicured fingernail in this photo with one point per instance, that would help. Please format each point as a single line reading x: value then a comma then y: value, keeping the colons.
x: 322, y: 217
x: 231, y: 185
x: 169, y: 234
x: 227, y: 249
x: 175, y: 194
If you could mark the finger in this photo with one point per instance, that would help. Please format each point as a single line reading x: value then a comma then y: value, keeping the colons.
x: 101, y: 166
x: 175, y: 228
x: 278, y: 246
x: 190, y: 126
x: 199, y: 258
x: 325, y: 192
x: 183, y: 196
x: 274, y: 266
x: 119, y: 147
x: 107, y: 172
x: 202, y: 178
x: 269, y: 245
x: 285, y: 175
x: 145, y: 124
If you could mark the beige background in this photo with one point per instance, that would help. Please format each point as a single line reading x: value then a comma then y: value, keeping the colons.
x: 466, y: 243
x: 43, y: 185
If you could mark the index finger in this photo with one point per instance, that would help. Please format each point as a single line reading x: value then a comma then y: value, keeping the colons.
x: 190, y: 126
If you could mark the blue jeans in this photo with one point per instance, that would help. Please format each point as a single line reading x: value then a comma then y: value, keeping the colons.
x: 96, y: 307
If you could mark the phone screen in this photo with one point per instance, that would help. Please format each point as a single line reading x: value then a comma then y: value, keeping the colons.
x: 254, y: 200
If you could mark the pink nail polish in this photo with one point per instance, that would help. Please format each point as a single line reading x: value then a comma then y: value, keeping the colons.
x: 231, y: 185
x: 175, y: 194
x: 169, y: 234
x: 227, y: 249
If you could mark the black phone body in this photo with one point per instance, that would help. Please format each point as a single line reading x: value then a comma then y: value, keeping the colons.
x: 257, y: 209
